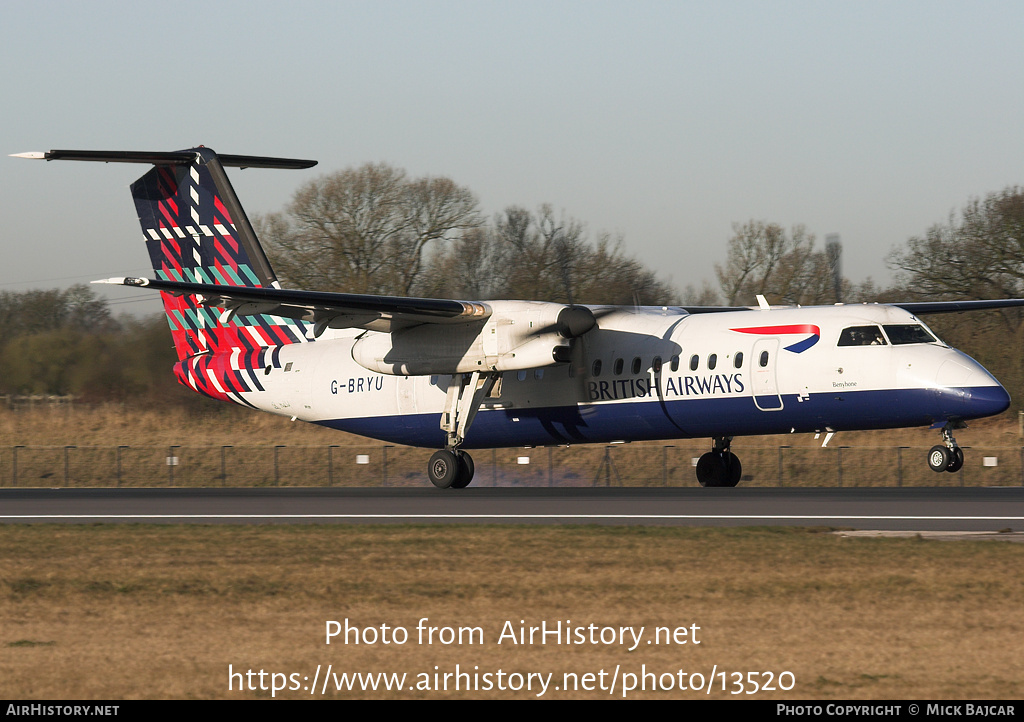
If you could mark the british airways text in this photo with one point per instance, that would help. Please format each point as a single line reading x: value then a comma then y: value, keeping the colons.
x: 678, y: 386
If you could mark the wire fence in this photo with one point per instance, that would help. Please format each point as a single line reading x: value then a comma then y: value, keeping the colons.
x: 580, y: 466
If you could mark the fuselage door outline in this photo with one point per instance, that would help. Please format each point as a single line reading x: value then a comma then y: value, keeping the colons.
x: 765, y: 382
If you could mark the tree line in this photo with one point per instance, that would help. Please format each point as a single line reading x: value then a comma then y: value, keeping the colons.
x: 374, y: 229
x: 67, y: 342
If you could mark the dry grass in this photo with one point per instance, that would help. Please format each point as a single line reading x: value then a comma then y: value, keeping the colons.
x: 113, y: 424
x: 224, y: 424
x: 303, y: 459
x: 160, y: 611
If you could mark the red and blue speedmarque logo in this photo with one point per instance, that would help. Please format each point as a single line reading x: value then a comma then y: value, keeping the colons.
x: 797, y: 328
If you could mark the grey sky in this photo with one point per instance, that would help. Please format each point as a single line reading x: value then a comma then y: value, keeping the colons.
x: 663, y: 121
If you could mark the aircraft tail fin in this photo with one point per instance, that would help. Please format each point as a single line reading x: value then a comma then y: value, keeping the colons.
x: 196, y: 231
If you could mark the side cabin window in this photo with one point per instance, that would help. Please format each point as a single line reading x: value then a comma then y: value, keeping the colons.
x: 596, y: 370
x: 763, y: 360
x: 737, y: 360
x: 656, y: 365
x: 862, y: 336
x: 694, y: 361
x: 712, y: 361
x: 675, y: 363
x: 908, y: 333
x: 636, y: 365
x: 618, y: 366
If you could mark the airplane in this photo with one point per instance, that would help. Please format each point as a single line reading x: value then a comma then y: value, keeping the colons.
x: 455, y: 375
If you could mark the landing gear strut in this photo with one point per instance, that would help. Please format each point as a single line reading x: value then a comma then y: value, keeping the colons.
x: 947, y: 456
x: 719, y: 467
x: 451, y: 467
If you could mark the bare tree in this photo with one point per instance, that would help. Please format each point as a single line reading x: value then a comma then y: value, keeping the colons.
x: 541, y: 256
x: 979, y: 254
x: 705, y: 295
x: 365, y: 229
x: 784, y: 267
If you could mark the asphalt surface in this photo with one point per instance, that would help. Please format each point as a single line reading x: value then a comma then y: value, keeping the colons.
x: 885, y: 509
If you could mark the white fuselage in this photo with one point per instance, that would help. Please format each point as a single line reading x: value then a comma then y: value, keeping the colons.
x: 657, y: 374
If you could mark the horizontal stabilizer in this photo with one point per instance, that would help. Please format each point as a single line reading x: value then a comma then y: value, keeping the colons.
x: 175, y: 157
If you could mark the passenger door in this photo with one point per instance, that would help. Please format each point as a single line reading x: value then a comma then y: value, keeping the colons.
x: 765, y: 383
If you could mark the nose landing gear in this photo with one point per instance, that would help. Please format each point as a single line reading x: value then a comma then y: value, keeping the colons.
x: 947, y: 456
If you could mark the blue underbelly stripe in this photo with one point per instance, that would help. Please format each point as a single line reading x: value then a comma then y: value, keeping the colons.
x: 687, y: 418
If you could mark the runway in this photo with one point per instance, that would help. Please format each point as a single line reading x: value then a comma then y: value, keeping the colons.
x: 919, y: 509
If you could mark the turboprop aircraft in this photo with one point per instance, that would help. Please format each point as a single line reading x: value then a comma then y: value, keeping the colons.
x: 456, y: 375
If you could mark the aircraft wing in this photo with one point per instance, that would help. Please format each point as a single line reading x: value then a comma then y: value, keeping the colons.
x: 926, y: 307
x: 918, y: 308
x: 323, y: 310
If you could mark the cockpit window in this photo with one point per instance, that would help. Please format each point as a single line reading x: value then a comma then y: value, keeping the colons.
x: 862, y: 336
x: 908, y: 333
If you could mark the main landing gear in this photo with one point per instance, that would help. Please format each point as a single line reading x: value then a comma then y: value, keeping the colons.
x: 947, y: 456
x: 452, y: 468
x: 719, y: 467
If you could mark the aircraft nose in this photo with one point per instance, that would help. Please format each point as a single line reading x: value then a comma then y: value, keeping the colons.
x: 966, y: 390
x: 987, y: 400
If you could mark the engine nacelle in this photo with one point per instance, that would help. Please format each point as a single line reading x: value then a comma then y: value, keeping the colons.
x: 517, y: 335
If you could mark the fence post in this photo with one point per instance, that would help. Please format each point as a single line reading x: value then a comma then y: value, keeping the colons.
x: 494, y: 466
x: 67, y: 464
x: 330, y: 464
x: 384, y: 464
x: 664, y: 464
x: 277, y: 472
x: 119, y: 464
x: 224, y: 464
x: 172, y: 461
x: 899, y: 465
x: 14, y: 462
x: 550, y: 468
x: 780, y: 463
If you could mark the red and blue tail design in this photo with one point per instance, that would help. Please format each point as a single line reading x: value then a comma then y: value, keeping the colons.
x: 196, y: 231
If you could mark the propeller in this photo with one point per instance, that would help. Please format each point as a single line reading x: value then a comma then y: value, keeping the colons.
x: 575, y: 321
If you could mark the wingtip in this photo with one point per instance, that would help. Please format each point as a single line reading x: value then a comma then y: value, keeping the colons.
x: 32, y: 154
x: 112, y: 281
